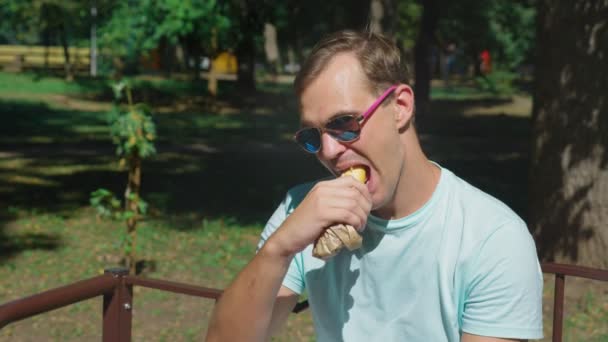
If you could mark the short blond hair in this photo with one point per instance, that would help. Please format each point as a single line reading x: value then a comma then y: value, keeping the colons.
x: 379, y: 57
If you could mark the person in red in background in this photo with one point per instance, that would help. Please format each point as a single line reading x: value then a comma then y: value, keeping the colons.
x: 486, y: 62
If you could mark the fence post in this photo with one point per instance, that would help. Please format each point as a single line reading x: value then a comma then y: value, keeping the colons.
x: 558, y: 307
x: 117, y: 307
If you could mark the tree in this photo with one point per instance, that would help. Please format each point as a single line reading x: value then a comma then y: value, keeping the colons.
x: 569, y: 177
x: 50, y: 20
x: 139, y: 26
x: 422, y: 54
x: 250, y: 23
x: 53, y: 19
x: 133, y: 132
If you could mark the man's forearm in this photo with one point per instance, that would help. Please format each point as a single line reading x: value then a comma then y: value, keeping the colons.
x: 244, y: 311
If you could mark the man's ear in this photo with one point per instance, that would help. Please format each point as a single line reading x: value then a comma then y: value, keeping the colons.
x: 404, y: 103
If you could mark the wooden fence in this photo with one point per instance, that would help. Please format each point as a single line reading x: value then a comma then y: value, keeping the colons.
x: 32, y: 57
x: 116, y: 287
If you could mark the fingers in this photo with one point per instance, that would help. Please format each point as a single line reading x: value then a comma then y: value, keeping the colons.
x: 351, y: 182
x: 344, y: 197
x: 344, y: 201
x: 356, y: 218
x: 345, y: 182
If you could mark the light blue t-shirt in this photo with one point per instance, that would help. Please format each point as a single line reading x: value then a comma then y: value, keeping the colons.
x: 464, y: 262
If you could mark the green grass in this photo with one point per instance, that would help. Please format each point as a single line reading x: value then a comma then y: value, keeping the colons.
x: 186, y: 249
x: 499, y: 84
x: 36, y: 83
x: 219, y: 173
x: 590, y: 311
x: 464, y: 93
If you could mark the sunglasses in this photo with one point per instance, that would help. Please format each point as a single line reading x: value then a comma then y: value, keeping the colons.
x: 344, y: 128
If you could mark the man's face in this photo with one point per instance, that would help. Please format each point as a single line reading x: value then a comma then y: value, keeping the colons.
x: 342, y: 89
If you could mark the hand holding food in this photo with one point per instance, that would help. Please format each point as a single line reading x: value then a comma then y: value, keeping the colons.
x: 339, y: 236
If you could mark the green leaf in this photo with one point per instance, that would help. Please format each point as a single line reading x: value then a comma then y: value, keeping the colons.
x: 142, y: 206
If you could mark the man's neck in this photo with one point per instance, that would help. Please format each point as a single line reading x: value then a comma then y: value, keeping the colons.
x: 418, y: 181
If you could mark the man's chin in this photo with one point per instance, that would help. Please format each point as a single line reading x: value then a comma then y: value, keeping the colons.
x: 378, y: 202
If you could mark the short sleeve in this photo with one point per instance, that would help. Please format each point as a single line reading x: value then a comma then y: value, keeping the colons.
x: 504, y: 285
x: 294, y: 279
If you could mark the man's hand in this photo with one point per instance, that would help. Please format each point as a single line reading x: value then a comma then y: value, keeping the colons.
x: 342, y: 200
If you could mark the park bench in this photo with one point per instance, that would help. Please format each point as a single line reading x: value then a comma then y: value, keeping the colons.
x: 116, y: 287
x: 32, y: 57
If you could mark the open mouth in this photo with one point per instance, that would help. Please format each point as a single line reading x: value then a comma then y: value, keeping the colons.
x: 359, y: 172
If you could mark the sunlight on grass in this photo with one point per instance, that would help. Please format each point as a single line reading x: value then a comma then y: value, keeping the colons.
x: 18, y: 164
x: 32, y: 84
x: 30, y: 180
x: 463, y: 93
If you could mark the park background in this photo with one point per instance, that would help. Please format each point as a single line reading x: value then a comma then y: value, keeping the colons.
x: 510, y: 95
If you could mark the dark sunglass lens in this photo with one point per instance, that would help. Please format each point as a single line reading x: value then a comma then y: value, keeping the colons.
x: 344, y: 128
x: 309, y: 139
x: 347, y: 136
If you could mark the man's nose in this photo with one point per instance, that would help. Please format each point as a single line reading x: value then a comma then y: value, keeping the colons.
x: 330, y: 147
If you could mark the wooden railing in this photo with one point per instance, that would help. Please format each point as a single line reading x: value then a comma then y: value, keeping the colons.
x: 116, y: 287
x: 561, y: 271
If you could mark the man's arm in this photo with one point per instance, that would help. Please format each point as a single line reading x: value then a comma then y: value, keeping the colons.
x: 283, y: 306
x: 245, y: 310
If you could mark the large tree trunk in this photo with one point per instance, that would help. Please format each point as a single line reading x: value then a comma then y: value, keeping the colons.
x: 422, y: 55
x: 569, y: 170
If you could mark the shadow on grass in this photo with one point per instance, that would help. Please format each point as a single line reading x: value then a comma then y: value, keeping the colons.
x: 12, y: 244
x: 238, y: 165
x: 34, y: 123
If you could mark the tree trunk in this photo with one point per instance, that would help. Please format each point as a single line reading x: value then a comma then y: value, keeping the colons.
x: 569, y: 166
x: 376, y: 13
x: 422, y: 55
x: 391, y: 18
x: 167, y: 57
x: 66, y: 53
x: 132, y: 205
x: 295, y: 32
x: 46, y: 40
x: 245, y: 50
x: 93, y: 56
x: 271, y: 48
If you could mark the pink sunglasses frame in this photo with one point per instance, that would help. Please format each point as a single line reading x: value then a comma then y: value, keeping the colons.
x: 377, y: 103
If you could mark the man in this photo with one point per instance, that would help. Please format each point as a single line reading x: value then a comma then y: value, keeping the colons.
x: 440, y: 260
